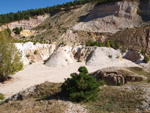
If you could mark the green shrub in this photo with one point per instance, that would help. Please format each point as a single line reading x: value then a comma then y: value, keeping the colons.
x: 117, y: 45
x: 111, y: 43
x: 79, y: 60
x: 110, y: 56
x: 80, y: 87
x: 2, y: 96
x: 99, y: 44
x: 35, y: 52
x: 119, y: 84
x: 32, y: 37
x: 28, y: 55
x: 146, y: 59
x: 107, y: 44
x: 123, y: 50
x: 90, y: 43
x: 30, y: 63
x: 34, y: 43
x: 142, y: 51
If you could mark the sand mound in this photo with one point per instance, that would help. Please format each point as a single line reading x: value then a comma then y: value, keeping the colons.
x: 103, y: 56
x: 61, y: 57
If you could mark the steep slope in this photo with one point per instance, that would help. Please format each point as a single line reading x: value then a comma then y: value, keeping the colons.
x: 111, y: 17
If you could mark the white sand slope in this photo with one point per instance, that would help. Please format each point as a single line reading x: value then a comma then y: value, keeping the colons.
x: 104, y: 55
x: 38, y: 73
x: 63, y: 56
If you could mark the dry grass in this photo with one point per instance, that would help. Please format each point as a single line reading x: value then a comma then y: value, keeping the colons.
x: 32, y: 106
x: 117, y: 101
x: 140, y: 71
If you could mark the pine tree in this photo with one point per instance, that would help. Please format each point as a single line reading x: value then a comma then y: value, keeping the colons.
x: 10, y: 57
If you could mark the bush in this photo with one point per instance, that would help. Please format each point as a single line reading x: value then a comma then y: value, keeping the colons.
x: 119, y: 84
x: 107, y: 44
x: 90, y: 43
x: 110, y: 56
x: 16, y: 30
x: 123, y: 50
x: 2, y: 96
x: 117, y: 45
x: 28, y: 55
x: 10, y: 57
x: 79, y: 61
x: 146, y: 59
x: 32, y: 37
x: 142, y: 51
x: 111, y: 43
x: 35, y: 52
x: 80, y: 87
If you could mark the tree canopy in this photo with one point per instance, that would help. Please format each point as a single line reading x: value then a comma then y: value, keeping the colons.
x: 10, y: 56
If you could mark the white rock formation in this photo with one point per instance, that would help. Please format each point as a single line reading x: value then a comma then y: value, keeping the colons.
x: 111, y: 17
x: 63, y: 56
x: 43, y: 51
x: 104, y: 56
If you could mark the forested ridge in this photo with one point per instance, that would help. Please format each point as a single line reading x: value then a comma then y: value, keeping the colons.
x: 10, y: 17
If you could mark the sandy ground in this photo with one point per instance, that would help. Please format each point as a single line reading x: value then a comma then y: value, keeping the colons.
x: 38, y: 73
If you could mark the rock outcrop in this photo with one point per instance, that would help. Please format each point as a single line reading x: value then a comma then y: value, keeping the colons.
x: 43, y: 51
x: 63, y: 56
x: 84, y: 53
x: 114, y: 75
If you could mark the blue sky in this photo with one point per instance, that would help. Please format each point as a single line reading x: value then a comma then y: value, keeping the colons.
x: 7, y: 6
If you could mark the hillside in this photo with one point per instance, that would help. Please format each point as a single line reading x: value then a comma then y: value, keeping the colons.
x: 108, y: 39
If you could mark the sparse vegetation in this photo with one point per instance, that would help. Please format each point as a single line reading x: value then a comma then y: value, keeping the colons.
x: 79, y: 60
x: 28, y: 55
x: 111, y: 43
x: 110, y: 56
x: 146, y: 59
x: 107, y: 44
x: 35, y: 52
x: 117, y: 45
x: 2, y: 96
x: 80, y: 87
x: 119, y: 84
x: 123, y: 50
x: 118, y: 101
x: 91, y: 43
x: 32, y: 37
x: 143, y: 51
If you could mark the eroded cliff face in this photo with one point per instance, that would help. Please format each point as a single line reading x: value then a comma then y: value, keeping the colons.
x: 34, y: 53
x: 27, y: 24
x: 111, y: 17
